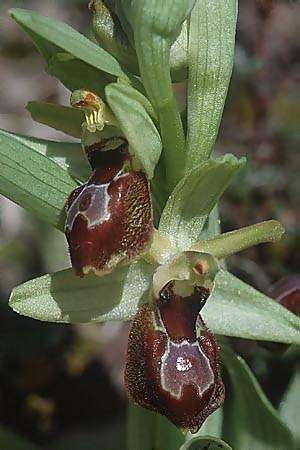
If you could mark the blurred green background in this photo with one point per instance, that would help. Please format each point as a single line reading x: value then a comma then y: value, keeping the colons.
x: 61, y: 386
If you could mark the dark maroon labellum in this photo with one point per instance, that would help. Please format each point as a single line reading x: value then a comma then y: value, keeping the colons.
x: 109, y: 218
x: 172, y: 362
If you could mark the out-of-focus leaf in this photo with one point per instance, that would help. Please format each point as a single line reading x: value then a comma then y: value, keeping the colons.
x: 61, y: 118
x: 237, y: 309
x: 210, y: 60
x: 194, y: 198
x: 205, y: 443
x: 250, y: 421
x: 151, y: 431
x: 155, y: 26
x: 32, y: 180
x: 11, y: 441
x: 289, y: 406
x: 63, y: 36
x: 68, y: 155
x: 136, y: 125
x: 64, y: 297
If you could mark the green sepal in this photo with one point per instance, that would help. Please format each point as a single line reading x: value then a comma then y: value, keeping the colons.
x: 194, y: 197
x: 65, y: 298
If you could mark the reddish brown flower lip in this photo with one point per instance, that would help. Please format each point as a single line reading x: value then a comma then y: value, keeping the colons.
x: 172, y: 364
x: 109, y: 218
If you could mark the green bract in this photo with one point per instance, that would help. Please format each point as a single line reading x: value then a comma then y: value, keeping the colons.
x: 210, y: 66
x: 193, y: 199
x: 136, y: 126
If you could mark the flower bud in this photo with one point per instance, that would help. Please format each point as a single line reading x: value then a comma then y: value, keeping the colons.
x: 172, y: 364
x: 109, y: 218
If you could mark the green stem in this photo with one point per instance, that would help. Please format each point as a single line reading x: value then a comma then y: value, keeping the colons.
x: 227, y: 244
x: 155, y: 72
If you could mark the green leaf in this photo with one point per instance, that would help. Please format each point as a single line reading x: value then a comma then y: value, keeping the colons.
x: 227, y: 244
x: 11, y: 441
x: 205, y: 443
x: 76, y: 74
x: 69, y: 156
x: 66, y: 38
x: 210, y: 59
x: 289, y: 406
x: 250, y: 421
x: 61, y: 118
x: 136, y: 125
x: 194, y: 198
x: 156, y: 25
x: 63, y: 297
x: 32, y: 180
x: 237, y: 309
x: 150, y: 431
x: 102, y: 437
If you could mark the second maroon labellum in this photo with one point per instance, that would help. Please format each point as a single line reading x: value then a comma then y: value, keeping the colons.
x: 172, y: 362
x: 109, y: 218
